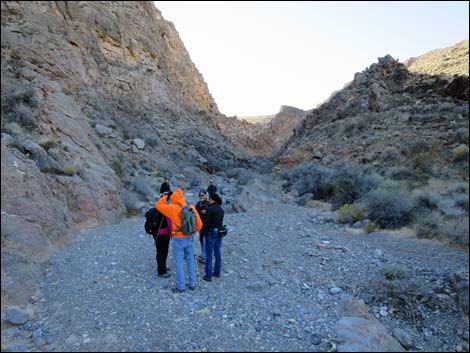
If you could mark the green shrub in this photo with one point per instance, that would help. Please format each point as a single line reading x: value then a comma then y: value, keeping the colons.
x: 116, y: 165
x: 395, y: 271
x: 350, y: 182
x: 47, y: 144
x: 390, y: 208
x: 370, y: 227
x: 423, y: 199
x: 427, y: 226
x: 16, y: 108
x: 350, y: 214
x: 460, y: 153
x: 70, y: 170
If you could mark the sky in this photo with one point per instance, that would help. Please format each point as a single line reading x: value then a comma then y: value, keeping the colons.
x: 257, y: 56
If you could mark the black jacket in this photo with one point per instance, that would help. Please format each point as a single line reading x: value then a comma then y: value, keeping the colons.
x: 214, y: 217
x: 212, y: 189
x: 164, y: 188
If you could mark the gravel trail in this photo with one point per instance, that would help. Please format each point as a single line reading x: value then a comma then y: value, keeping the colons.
x: 279, y: 269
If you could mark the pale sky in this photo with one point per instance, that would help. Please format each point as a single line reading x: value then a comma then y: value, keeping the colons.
x: 257, y: 56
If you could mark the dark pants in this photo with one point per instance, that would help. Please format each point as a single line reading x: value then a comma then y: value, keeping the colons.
x: 213, y: 245
x: 162, y: 243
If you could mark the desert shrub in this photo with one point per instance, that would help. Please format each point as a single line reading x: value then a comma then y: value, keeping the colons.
x: 423, y: 199
x: 16, y: 108
x: 427, y: 226
x: 458, y: 188
x: 447, y: 207
x: 350, y: 182
x: 70, y: 170
x: 395, y: 271
x: 370, y: 227
x: 401, y: 173
x: 454, y: 230
x: 461, y: 201
x: 460, y: 153
x: 389, y: 207
x: 310, y: 178
x: 116, y: 165
x: 390, y: 153
x: 350, y: 214
x: 47, y: 144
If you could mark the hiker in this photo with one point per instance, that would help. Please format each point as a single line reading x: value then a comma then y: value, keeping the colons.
x: 212, y: 223
x: 195, y: 185
x: 171, y: 205
x: 162, y: 241
x: 165, y: 187
x: 201, y: 208
x: 212, y: 189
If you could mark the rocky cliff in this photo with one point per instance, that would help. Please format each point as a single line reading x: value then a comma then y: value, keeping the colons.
x: 387, y: 117
x: 452, y: 60
x: 99, y: 100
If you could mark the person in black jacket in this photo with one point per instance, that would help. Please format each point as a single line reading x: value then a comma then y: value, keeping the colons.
x: 165, y: 186
x: 201, y: 208
x: 212, y: 223
x: 211, y: 189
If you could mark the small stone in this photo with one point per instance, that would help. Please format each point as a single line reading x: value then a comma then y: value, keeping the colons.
x: 17, y: 316
x: 335, y: 290
x: 465, y: 336
x: 315, y: 339
x: 383, y: 313
x: 377, y: 254
x: 140, y: 144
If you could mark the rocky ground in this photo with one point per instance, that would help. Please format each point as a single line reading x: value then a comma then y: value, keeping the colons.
x: 284, y: 272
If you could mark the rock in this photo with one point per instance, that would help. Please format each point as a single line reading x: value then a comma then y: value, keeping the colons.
x: 361, y: 332
x: 403, y: 337
x: 315, y: 339
x: 103, y: 130
x: 377, y: 254
x: 335, y: 290
x: 140, y: 144
x: 17, y: 316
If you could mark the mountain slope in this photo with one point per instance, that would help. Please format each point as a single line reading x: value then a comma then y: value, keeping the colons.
x: 452, y: 60
x: 99, y: 101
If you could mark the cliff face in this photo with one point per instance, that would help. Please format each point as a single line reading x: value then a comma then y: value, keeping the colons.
x: 99, y: 100
x: 387, y: 117
x: 453, y: 60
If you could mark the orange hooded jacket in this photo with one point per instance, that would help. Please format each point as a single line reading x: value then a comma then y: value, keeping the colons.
x: 173, y: 211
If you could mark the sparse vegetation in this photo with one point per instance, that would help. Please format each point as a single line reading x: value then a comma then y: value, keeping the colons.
x: 460, y: 153
x: 395, y: 271
x: 16, y: 108
x: 389, y: 207
x: 70, y: 170
x: 350, y: 214
x: 116, y: 165
x: 370, y: 227
x: 47, y: 144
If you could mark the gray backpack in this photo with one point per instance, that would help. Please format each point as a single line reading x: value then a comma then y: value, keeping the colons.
x: 188, y: 221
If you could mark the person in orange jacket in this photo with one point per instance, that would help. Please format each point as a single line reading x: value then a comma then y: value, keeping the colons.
x: 183, y: 245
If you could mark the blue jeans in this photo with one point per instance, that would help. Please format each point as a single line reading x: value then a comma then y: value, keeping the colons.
x: 213, y: 245
x: 203, y: 246
x: 183, y: 248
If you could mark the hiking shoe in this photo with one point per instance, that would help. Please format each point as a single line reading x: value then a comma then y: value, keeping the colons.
x: 201, y: 260
x: 214, y: 275
x: 165, y: 275
x: 208, y: 279
x: 192, y: 287
x: 177, y: 290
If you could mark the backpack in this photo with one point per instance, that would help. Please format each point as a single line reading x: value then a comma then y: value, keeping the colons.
x: 151, y: 221
x: 188, y: 221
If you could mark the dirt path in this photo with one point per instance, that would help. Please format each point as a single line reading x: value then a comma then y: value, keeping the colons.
x: 275, y: 292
